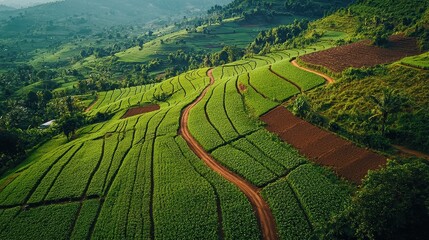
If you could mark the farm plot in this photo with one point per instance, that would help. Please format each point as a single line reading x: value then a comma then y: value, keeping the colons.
x: 303, y: 200
x: 46, y: 222
x: 363, y: 54
x: 118, y: 99
x: 302, y: 78
x: 323, y: 147
x: 272, y: 86
x: 136, y: 178
x: 254, y: 100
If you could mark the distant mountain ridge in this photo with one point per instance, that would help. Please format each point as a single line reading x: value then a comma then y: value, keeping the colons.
x: 15, y: 4
x: 105, y: 12
x: 5, y: 8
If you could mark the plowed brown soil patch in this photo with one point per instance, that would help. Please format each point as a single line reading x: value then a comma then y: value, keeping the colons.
x: 139, y: 110
x: 323, y: 147
x: 363, y: 54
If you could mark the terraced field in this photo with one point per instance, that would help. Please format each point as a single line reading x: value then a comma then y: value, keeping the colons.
x: 137, y: 177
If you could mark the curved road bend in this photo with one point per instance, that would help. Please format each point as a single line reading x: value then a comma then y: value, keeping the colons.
x: 326, y: 77
x: 263, y: 212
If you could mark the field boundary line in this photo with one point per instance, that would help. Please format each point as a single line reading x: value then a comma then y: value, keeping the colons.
x: 289, y: 81
x: 263, y: 212
x: 324, y: 76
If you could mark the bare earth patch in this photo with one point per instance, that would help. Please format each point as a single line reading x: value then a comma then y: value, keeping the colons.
x: 323, y: 147
x: 363, y: 54
x: 140, y: 110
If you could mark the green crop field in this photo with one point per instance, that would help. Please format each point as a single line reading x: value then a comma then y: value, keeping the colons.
x: 124, y: 178
x: 161, y: 128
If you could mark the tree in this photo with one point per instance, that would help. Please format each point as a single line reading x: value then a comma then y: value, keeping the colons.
x: 70, y: 123
x: 393, y: 203
x: 301, y: 106
x: 389, y: 103
x: 32, y: 100
x: 380, y: 40
x: 10, y: 143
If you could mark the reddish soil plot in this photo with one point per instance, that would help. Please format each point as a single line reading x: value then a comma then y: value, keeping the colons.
x: 139, y: 110
x: 323, y: 147
x: 363, y: 54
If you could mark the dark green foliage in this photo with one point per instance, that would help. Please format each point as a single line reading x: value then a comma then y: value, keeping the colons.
x: 301, y: 106
x: 278, y: 35
x: 380, y: 18
x: 9, y: 142
x: 361, y: 73
x: 391, y: 204
x: 348, y: 105
x: 161, y: 97
x: 100, y: 117
x: 70, y: 123
x: 381, y: 39
x: 389, y: 103
x: 251, y: 9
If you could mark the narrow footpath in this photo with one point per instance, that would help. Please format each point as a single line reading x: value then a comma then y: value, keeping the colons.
x: 263, y: 212
x: 326, y: 77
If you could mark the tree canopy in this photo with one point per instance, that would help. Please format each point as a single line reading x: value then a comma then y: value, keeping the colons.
x: 392, y: 203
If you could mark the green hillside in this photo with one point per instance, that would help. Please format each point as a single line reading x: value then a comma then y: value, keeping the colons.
x: 124, y: 170
x: 160, y: 126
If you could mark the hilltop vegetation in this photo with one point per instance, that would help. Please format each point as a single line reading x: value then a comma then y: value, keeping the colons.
x: 378, y: 19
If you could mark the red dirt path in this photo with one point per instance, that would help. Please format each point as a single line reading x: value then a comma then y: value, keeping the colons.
x: 323, y: 147
x: 363, y: 54
x: 263, y: 212
x: 326, y: 77
x: 139, y: 110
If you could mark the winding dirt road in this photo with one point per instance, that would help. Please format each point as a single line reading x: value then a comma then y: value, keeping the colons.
x: 263, y: 212
x: 326, y: 77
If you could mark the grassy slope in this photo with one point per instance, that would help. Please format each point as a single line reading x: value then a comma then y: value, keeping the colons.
x: 233, y: 32
x: 346, y: 103
x: 420, y: 61
x: 120, y: 141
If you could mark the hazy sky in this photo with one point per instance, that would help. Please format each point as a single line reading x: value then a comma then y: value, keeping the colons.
x: 23, y: 3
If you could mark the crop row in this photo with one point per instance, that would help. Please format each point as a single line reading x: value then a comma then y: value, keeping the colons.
x: 303, y: 78
x: 321, y: 197
x: 106, y: 98
x: 245, y: 165
x: 185, y: 204
x: 259, y: 157
x: 114, y: 217
x: 275, y: 88
x: 254, y: 99
x: 19, y: 190
x: 292, y: 222
x: 235, y: 214
x: 235, y: 109
x: 46, y: 222
x: 201, y: 128
x: 216, y: 113
x: 120, y: 99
